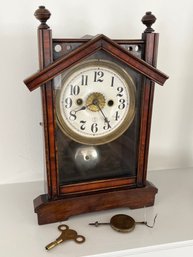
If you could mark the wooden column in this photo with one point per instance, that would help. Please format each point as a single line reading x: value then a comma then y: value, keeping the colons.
x: 150, y: 56
x: 45, y: 58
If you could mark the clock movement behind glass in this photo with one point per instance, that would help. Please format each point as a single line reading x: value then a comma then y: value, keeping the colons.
x: 97, y: 97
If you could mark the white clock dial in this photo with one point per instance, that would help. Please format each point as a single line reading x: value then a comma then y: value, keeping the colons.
x: 96, y: 102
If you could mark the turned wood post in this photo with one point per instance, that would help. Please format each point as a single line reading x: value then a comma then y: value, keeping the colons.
x: 45, y: 58
x: 150, y: 56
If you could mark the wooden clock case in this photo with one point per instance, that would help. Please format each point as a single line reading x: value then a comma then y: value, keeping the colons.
x: 61, y: 202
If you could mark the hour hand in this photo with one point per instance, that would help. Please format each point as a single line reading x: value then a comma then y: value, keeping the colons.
x: 84, y: 107
x: 81, y: 109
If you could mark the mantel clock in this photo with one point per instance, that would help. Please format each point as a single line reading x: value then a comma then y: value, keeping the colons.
x: 97, y: 97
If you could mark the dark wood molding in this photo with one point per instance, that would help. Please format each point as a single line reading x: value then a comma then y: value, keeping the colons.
x: 150, y: 56
x: 98, y: 185
x: 97, y: 43
x: 45, y: 58
x: 85, y: 40
x: 61, y: 209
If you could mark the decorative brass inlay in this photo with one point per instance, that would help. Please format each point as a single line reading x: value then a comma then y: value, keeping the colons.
x: 95, y: 102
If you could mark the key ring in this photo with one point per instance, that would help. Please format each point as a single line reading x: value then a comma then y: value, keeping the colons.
x: 63, y: 227
x: 80, y: 239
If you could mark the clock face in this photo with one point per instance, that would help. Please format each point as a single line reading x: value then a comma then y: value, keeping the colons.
x: 96, y: 103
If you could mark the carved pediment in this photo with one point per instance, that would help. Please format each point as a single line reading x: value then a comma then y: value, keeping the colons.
x: 95, y: 44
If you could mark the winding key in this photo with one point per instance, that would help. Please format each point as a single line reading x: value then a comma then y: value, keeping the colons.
x: 66, y: 234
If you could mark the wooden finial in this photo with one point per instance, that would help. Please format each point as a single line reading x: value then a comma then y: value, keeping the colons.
x: 148, y: 19
x: 42, y: 14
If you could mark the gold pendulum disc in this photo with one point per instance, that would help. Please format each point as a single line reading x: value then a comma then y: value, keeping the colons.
x: 122, y: 223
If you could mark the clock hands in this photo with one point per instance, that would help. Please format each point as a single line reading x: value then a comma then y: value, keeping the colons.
x: 95, y: 102
x: 81, y: 109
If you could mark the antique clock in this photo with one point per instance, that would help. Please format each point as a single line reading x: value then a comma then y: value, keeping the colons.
x: 97, y: 97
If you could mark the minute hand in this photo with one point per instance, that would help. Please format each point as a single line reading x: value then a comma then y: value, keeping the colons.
x: 105, y: 118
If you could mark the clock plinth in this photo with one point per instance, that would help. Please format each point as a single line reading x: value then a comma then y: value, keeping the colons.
x: 61, y: 209
x: 97, y: 99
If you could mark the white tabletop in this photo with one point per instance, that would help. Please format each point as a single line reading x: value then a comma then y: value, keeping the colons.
x: 21, y: 236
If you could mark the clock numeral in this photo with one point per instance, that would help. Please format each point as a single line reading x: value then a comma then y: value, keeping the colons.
x: 94, y: 128
x: 98, y: 76
x: 107, y: 125
x: 74, y: 90
x: 72, y: 115
x: 84, y: 80
x: 121, y: 106
x: 117, y: 116
x: 120, y: 90
x: 112, y: 81
x: 83, y: 122
x: 68, y: 102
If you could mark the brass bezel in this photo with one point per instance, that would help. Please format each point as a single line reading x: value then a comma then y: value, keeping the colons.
x: 125, y: 123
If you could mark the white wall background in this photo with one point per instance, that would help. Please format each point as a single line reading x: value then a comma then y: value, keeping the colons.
x: 21, y: 140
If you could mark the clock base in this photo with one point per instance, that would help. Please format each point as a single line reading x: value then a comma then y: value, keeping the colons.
x: 49, y: 211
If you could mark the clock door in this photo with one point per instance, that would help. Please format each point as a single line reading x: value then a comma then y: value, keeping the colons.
x: 101, y: 164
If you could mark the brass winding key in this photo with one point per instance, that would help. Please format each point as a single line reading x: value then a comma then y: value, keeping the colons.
x: 67, y: 234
